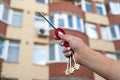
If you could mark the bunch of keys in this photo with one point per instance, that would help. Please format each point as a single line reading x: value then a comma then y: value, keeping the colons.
x: 70, y: 69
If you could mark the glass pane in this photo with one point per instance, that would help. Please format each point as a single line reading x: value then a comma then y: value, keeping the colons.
x: 41, y: 1
x: 1, y: 47
x: 91, y: 31
x: 99, y: 10
x: 13, y: 54
x: 118, y: 56
x: 52, y: 52
x: 113, y: 33
x: 39, y: 23
x: 51, y: 20
x: 89, y: 7
x: 39, y: 55
x: 119, y: 29
x: 70, y: 21
x: 17, y: 19
x: 62, y: 57
x: 79, y: 24
x: 61, y: 23
x: 5, y: 13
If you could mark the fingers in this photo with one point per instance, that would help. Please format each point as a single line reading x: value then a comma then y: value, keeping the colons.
x: 66, y: 37
x: 67, y: 52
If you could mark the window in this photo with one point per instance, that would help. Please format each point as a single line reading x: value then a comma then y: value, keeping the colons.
x: 17, y: 18
x: 115, y: 8
x: 112, y: 56
x: 39, y: 54
x: 61, y: 23
x: 113, y: 32
x: 79, y: 26
x: 52, y: 52
x: 70, y: 21
x: 56, y: 54
x: 119, y: 29
x: 89, y: 7
x: 13, y: 51
x: 91, y: 31
x: 101, y: 9
x: 41, y: 1
x: 104, y: 33
x: 1, y: 47
x: 5, y: 13
x: 39, y: 23
x: 62, y: 57
x: 51, y: 20
x: 118, y: 56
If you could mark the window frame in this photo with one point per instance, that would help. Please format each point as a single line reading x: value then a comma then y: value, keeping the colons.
x: 38, y: 46
x: 87, y: 31
x: 12, y: 12
x: 6, y: 48
x: 86, y: 2
x: 45, y: 1
x: 103, y: 9
x: 57, y: 54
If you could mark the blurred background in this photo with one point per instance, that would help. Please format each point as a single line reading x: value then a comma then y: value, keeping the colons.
x: 28, y: 49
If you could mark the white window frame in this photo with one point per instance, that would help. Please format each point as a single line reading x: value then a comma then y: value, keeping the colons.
x: 86, y: 2
x: 91, y: 25
x: 103, y: 8
x: 5, y: 51
x: 46, y: 1
x: 46, y: 51
x: 57, y: 54
x: 1, y: 10
x: 11, y: 12
x: 116, y: 32
x: 111, y: 55
x: 113, y: 8
x: 105, y: 33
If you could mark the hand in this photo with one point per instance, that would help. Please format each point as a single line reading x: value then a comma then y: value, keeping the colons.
x: 77, y: 45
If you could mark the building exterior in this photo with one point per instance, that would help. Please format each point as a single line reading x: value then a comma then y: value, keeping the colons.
x: 28, y: 49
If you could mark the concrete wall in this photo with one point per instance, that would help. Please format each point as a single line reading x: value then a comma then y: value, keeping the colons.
x: 27, y: 35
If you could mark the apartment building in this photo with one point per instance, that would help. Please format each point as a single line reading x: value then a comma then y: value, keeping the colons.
x: 28, y: 50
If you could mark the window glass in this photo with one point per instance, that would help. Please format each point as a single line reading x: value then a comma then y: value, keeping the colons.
x: 41, y: 1
x: 99, y: 10
x: 115, y: 8
x: 70, y: 21
x: 62, y: 57
x: 39, y: 23
x: 91, y: 31
x: 52, y: 52
x: 51, y: 20
x: 17, y: 18
x: 1, y: 47
x: 79, y: 24
x: 118, y: 56
x: 13, y: 51
x: 39, y: 55
x: 89, y: 7
x: 5, y: 13
x: 113, y: 32
x: 61, y: 23
x: 119, y: 29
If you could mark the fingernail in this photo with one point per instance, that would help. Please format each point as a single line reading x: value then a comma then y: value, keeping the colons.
x: 68, y: 48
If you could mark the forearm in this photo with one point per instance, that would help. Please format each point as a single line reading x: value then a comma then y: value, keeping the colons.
x: 102, y: 65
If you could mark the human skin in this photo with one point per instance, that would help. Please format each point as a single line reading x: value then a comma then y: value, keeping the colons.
x: 102, y: 65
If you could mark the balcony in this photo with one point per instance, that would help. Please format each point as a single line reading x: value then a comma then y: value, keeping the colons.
x: 3, y: 28
x: 112, y: 0
x: 95, y: 18
x: 100, y: 1
x: 57, y: 71
x: 102, y: 45
x: 67, y: 7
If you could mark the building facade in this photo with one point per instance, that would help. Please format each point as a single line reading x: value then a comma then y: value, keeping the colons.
x: 28, y: 49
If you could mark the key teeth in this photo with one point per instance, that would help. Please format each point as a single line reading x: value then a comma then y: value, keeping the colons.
x: 67, y: 72
x: 77, y: 66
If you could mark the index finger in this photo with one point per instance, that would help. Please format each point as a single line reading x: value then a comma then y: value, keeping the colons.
x: 66, y: 37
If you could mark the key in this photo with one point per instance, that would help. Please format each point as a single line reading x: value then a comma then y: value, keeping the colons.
x: 76, y: 66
